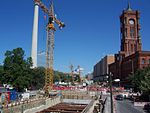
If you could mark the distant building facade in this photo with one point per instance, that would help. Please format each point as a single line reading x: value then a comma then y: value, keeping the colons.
x: 130, y: 58
x: 89, y: 76
x: 101, y: 68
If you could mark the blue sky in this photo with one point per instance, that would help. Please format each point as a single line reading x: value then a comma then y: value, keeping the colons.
x: 92, y: 29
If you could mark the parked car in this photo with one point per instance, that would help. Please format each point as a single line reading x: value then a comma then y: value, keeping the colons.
x: 119, y: 97
x: 147, y: 107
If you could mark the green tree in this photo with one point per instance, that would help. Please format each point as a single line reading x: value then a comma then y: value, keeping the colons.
x: 63, y: 77
x: 56, y: 76
x: 141, y: 80
x: 38, y: 78
x: 17, y: 70
x: 145, y: 81
x: 1, y: 73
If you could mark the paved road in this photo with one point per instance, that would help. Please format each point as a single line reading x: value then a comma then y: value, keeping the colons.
x: 126, y: 106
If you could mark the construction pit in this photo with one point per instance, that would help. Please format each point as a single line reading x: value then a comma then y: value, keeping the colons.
x: 65, y: 108
x: 71, y: 102
x: 66, y: 101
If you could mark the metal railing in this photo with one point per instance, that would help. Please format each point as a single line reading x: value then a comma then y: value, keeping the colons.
x: 88, y: 107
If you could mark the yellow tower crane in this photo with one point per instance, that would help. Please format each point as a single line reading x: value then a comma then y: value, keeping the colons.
x: 49, y: 74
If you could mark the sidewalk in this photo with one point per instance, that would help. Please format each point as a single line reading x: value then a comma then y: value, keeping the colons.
x: 95, y: 104
x: 107, y: 105
x: 92, y: 108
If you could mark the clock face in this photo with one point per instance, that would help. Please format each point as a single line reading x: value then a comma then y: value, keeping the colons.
x: 131, y: 22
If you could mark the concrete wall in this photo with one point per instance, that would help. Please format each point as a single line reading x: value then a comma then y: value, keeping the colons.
x: 32, y: 107
x: 76, y: 101
x: 140, y: 103
x: 48, y: 103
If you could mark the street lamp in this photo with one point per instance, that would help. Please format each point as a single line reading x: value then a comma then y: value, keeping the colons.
x: 109, y: 77
x: 117, y: 80
x: 111, y: 95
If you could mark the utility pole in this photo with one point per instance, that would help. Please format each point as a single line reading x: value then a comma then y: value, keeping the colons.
x: 71, y: 73
x: 111, y: 95
x: 79, y: 73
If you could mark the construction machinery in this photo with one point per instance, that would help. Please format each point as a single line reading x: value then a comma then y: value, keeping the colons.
x: 79, y: 72
x: 71, y: 73
x: 76, y: 72
x: 50, y: 28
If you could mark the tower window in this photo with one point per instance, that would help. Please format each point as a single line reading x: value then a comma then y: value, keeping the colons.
x: 143, y: 61
x: 134, y: 47
x: 149, y: 61
x: 125, y: 32
x: 125, y: 20
x: 131, y: 47
x: 132, y: 32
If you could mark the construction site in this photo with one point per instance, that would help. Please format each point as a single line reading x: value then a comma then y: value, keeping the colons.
x: 58, y: 57
x: 70, y: 99
x: 65, y: 101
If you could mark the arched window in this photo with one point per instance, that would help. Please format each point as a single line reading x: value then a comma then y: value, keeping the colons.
x: 125, y: 32
x: 135, y: 47
x: 131, y: 47
x: 143, y: 61
x: 132, y: 32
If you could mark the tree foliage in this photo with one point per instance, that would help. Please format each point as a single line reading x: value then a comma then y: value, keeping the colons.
x: 38, y: 78
x: 16, y: 69
x: 17, y: 72
x: 141, y: 80
x: 63, y: 77
x: 1, y: 72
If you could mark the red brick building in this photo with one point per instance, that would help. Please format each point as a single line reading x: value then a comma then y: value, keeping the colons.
x: 130, y: 58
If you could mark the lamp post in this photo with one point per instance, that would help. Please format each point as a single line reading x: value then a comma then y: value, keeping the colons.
x: 111, y: 95
x: 117, y: 80
x: 109, y: 78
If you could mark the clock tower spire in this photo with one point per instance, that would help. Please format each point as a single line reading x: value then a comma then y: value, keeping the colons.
x: 129, y: 7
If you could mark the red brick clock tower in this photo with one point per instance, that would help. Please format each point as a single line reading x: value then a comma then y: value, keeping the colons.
x: 130, y: 34
x: 131, y: 57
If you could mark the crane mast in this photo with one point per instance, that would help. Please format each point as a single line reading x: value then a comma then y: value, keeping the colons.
x: 49, y: 51
x: 49, y: 73
x: 49, y: 59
